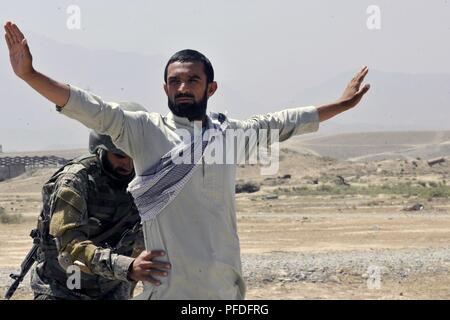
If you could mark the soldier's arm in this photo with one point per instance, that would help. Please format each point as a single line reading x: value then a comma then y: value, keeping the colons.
x: 70, y: 226
x: 75, y: 248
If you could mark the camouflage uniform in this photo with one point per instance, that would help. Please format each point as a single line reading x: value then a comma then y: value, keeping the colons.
x: 88, y: 220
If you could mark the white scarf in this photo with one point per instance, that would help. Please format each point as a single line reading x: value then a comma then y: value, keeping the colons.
x: 158, y: 186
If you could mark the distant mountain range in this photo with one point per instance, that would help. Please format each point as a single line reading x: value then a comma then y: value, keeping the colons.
x: 396, y: 102
x: 375, y: 145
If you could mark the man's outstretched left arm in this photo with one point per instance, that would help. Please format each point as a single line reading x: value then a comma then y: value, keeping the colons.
x: 300, y: 120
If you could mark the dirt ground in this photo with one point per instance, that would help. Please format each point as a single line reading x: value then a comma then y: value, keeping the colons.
x: 301, y: 240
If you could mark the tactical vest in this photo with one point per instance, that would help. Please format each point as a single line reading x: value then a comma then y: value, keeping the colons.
x: 113, y: 219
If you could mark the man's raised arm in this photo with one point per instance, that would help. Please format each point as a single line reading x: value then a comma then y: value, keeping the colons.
x: 352, y: 95
x: 90, y: 110
x: 22, y: 64
x: 294, y: 121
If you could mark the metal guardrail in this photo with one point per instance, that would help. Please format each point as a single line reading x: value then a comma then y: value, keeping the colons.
x: 33, y: 162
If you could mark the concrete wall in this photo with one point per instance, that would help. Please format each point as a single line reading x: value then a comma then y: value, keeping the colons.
x: 11, y: 171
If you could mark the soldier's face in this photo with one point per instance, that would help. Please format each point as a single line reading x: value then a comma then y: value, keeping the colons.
x: 122, y: 165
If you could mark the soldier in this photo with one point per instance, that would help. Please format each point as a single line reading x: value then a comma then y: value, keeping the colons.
x: 89, y: 221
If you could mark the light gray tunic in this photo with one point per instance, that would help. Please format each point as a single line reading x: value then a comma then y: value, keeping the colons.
x: 198, y: 229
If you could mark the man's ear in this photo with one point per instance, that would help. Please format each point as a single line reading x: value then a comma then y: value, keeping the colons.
x: 165, y: 89
x: 212, y: 87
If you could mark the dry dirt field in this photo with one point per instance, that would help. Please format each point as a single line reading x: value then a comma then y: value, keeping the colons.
x: 308, y: 234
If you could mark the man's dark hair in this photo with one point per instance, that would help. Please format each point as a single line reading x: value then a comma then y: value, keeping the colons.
x: 189, y: 55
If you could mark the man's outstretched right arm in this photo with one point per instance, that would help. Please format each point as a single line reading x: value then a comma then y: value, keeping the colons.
x: 22, y: 64
x: 92, y: 111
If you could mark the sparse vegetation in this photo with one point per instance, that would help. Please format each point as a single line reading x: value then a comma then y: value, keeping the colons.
x: 421, y: 190
x: 7, y: 218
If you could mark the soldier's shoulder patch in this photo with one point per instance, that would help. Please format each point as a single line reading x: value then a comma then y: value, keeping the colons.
x: 72, y: 197
x: 69, y: 212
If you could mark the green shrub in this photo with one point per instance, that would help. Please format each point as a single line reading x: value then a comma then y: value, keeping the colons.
x: 433, y: 184
x: 402, y: 189
x: 7, y: 218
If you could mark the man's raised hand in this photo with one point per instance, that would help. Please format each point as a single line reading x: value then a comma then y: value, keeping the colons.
x: 352, y: 95
x: 354, y: 92
x: 22, y: 64
x: 19, y: 53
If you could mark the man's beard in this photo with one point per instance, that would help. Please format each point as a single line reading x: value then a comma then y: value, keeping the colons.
x: 192, y: 111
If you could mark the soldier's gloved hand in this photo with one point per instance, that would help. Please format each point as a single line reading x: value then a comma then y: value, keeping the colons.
x: 145, y: 268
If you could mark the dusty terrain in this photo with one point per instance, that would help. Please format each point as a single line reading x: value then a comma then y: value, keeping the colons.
x: 308, y: 234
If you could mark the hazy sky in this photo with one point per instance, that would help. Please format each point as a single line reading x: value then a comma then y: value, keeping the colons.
x: 319, y: 38
x: 266, y: 48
